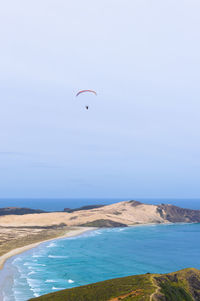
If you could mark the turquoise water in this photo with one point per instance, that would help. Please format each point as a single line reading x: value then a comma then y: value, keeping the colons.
x: 100, y: 255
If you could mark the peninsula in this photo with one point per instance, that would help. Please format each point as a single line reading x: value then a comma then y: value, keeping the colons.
x: 127, y: 213
x: 22, y: 228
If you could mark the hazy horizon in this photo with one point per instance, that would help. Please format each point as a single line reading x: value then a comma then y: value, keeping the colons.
x: 140, y: 136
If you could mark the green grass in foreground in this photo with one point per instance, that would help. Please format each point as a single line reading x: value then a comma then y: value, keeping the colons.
x: 140, y: 285
x: 183, y: 285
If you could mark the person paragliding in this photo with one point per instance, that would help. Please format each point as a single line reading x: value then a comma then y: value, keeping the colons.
x: 86, y: 91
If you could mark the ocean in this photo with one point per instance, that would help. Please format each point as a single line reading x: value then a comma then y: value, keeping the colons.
x: 60, y: 204
x: 98, y: 255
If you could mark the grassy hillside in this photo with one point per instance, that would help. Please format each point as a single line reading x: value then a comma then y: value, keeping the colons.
x: 183, y: 285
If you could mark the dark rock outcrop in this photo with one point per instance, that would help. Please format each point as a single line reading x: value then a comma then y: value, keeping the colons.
x: 88, y: 207
x: 135, y: 203
x: 176, y: 214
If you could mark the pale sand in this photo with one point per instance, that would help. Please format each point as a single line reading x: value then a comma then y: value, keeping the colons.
x: 123, y: 212
x: 70, y: 233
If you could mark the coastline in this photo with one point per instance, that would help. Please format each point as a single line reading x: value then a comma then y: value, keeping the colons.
x: 73, y: 231
x: 6, y: 277
x: 70, y: 233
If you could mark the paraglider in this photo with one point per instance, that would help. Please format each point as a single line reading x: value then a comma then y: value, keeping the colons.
x: 83, y: 91
x: 86, y: 91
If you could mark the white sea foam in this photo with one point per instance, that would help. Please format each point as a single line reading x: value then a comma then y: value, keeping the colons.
x: 23, y: 276
x: 34, y: 285
x: 57, y: 256
x: 17, y: 296
x: 90, y: 234
x: 17, y: 259
x: 70, y: 281
x: 31, y: 264
x: 58, y: 288
x: 20, y: 291
x: 93, y: 233
x: 34, y: 266
x: 6, y: 298
x: 31, y: 273
x: 33, y: 282
x: 17, y: 282
x: 98, y: 232
x: 51, y: 245
x: 116, y: 230
x: 86, y: 234
x: 35, y: 290
x: 50, y: 281
x: 122, y: 229
x: 36, y: 270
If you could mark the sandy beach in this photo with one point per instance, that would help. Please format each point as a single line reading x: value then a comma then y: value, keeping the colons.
x: 8, y: 282
x: 72, y: 232
x: 128, y: 213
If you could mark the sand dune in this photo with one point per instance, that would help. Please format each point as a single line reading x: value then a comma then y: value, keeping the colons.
x: 17, y: 231
x: 128, y: 213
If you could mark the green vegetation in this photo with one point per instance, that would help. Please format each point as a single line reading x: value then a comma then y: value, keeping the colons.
x: 103, y: 223
x: 174, y: 293
x: 19, y: 211
x: 137, y: 287
x: 179, y: 286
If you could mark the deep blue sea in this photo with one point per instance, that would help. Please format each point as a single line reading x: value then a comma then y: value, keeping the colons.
x: 100, y: 255
x: 60, y: 204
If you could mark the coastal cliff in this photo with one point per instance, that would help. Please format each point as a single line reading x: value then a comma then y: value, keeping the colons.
x: 120, y: 214
x: 176, y: 214
x: 183, y: 285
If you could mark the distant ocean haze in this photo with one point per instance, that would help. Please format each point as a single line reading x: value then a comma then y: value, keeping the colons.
x: 53, y: 204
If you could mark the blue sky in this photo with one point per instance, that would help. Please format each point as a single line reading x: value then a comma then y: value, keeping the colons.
x: 141, y: 135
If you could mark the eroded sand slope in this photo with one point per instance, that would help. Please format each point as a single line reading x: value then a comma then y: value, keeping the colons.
x: 124, y: 213
x: 128, y: 213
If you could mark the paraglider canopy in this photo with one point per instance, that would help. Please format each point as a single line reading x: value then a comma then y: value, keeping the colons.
x: 84, y: 91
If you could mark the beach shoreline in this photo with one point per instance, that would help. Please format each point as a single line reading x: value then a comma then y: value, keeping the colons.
x: 74, y: 231
x: 70, y: 233
x: 7, y: 272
